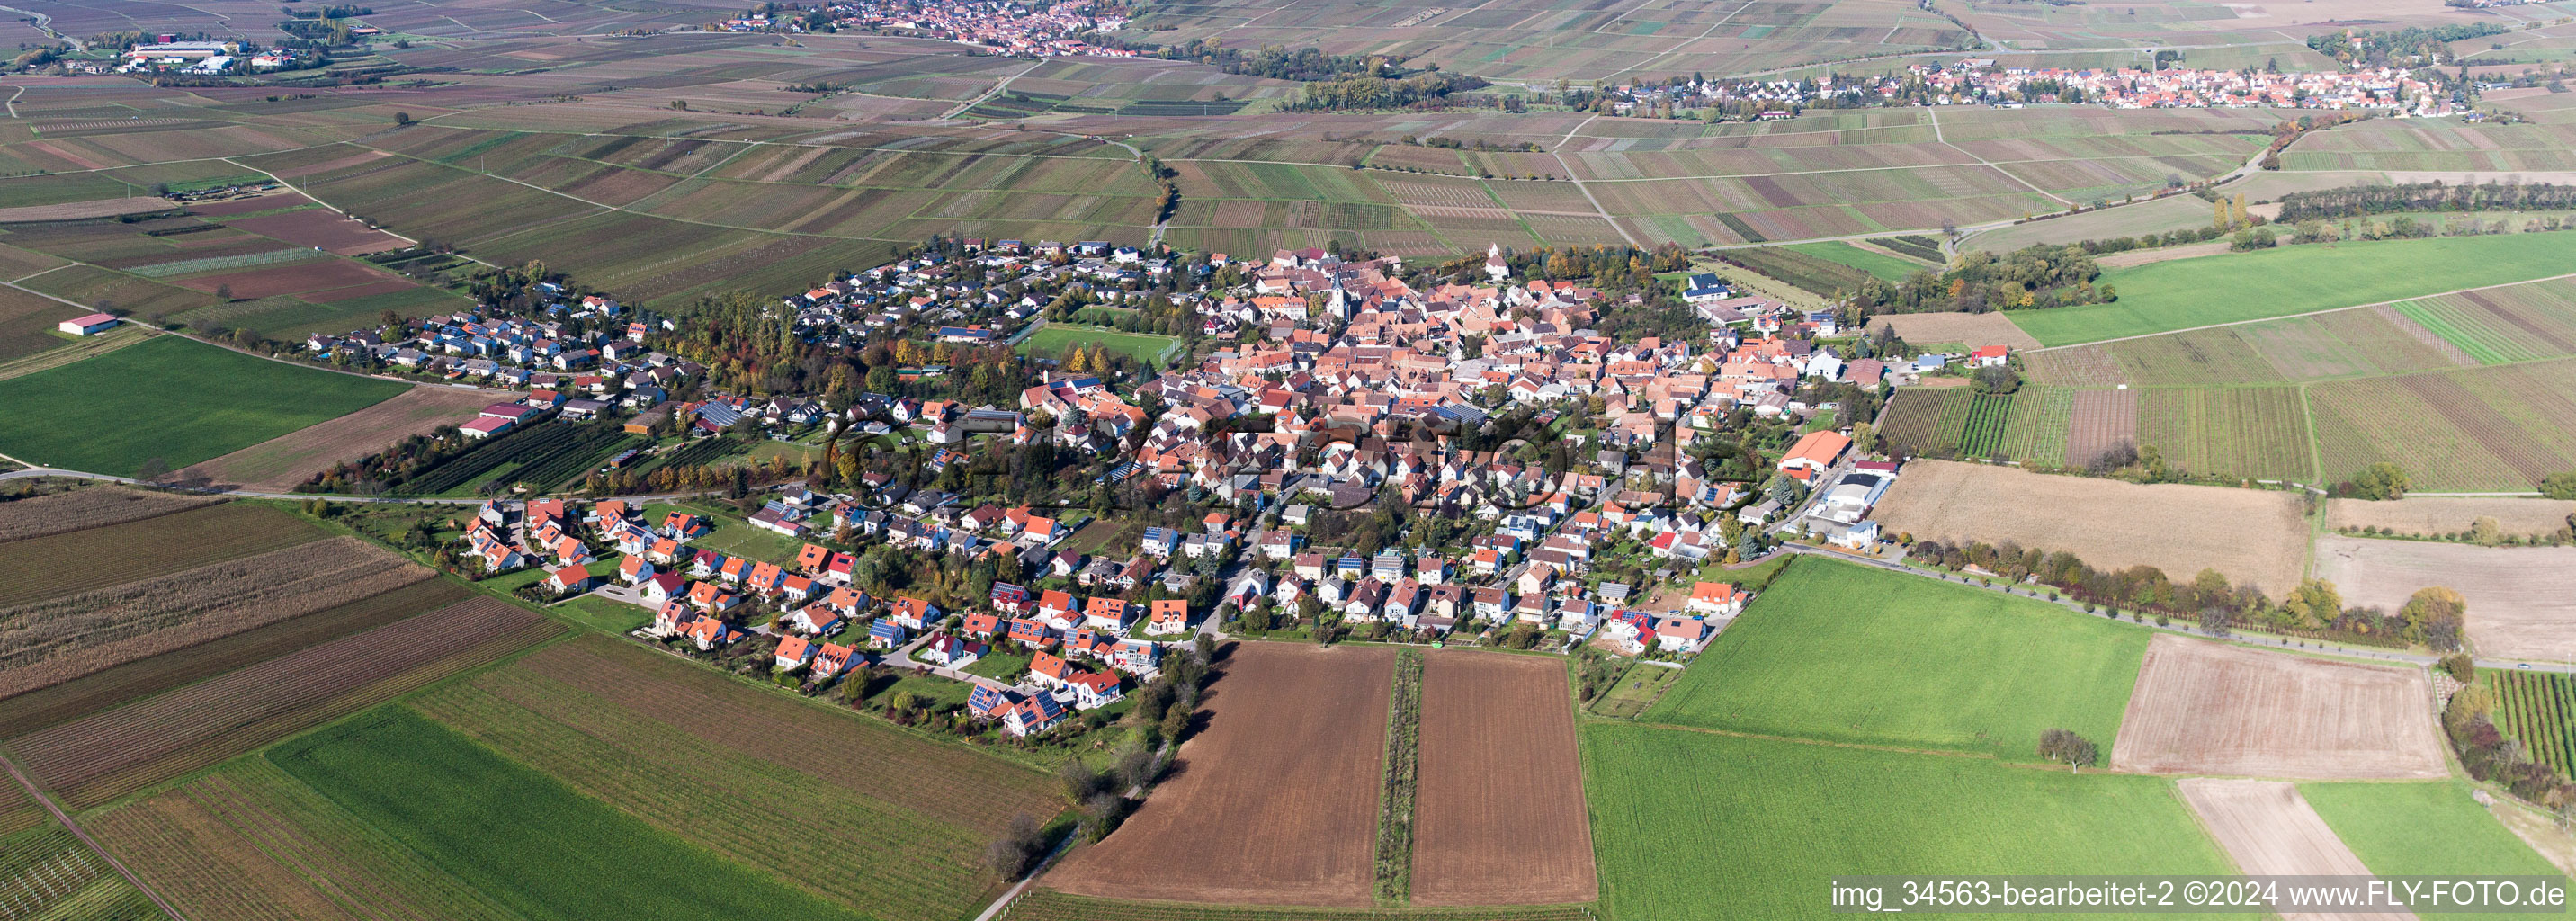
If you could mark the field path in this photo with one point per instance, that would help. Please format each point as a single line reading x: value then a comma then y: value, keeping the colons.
x: 75, y: 829
x: 998, y: 86
x: 1558, y: 153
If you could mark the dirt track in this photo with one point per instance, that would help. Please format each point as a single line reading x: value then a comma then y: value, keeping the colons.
x: 2270, y: 830
x: 278, y: 464
x: 1499, y: 815
x: 2204, y: 707
x: 1275, y: 802
x: 2519, y: 606
x: 2250, y: 535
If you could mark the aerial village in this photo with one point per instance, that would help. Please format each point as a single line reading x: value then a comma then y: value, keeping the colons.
x: 1979, y: 82
x: 1330, y: 463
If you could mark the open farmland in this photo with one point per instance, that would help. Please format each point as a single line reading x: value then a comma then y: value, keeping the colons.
x: 279, y: 464
x: 27, y: 323
x: 58, y: 639
x: 2519, y: 607
x: 1846, y: 653
x: 736, y: 771
x: 47, y: 874
x: 2387, y: 825
x: 2228, y: 433
x: 1697, y: 825
x: 2184, y: 293
x: 109, y: 687
x: 49, y: 567
x: 248, y: 839
x: 1049, y: 905
x: 1968, y: 329
x: 520, y: 838
x: 1291, y: 731
x: 101, y: 757
x: 1499, y: 804
x: 2268, y: 828
x: 2204, y: 707
x: 2431, y: 515
x: 175, y: 399
x: 2493, y: 429
x: 2254, y: 537
x: 88, y: 506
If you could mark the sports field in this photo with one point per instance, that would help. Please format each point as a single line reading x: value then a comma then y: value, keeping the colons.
x: 1060, y: 339
x: 1848, y: 653
x: 1701, y: 825
x: 173, y: 398
x: 523, y: 838
x: 2184, y: 293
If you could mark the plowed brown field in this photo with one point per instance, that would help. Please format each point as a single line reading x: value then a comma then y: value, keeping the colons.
x: 1498, y: 813
x: 1276, y: 802
x: 2210, y: 708
x: 2519, y: 606
x: 2253, y: 536
x: 2270, y: 830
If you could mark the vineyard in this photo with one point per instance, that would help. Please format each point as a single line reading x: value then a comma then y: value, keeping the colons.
x: 1919, y: 247
x: 92, y: 507
x: 101, y: 757
x: 48, y: 567
x: 538, y: 449
x: 1813, y: 273
x: 218, y: 263
x: 2539, y: 709
x: 1403, y: 759
x: 2227, y: 432
x: 1983, y: 430
x: 575, y: 462
x: 1049, y: 905
x: 1913, y: 423
x: 2041, y: 417
x: 47, y: 874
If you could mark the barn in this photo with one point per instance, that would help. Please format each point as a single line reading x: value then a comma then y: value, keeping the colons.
x: 89, y: 325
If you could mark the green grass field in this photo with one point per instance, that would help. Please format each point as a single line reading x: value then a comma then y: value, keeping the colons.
x: 1886, y: 267
x: 1699, y: 825
x: 2423, y: 829
x: 1058, y: 339
x: 602, y: 614
x: 2184, y: 293
x: 1843, y: 652
x: 520, y: 836
x: 1637, y: 690
x: 734, y: 535
x: 173, y: 398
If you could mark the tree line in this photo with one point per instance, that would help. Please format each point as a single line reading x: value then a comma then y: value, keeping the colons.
x: 2358, y: 200
x: 2033, y: 277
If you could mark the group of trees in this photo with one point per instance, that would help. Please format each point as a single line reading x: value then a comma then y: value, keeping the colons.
x: 2469, y: 723
x: 2359, y: 200
x: 2435, y: 617
x: 1423, y: 90
x: 2409, y: 47
x: 1599, y: 265
x: 2037, y: 276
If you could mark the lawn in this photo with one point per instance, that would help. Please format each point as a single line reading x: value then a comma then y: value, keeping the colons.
x: 172, y: 398
x: 1000, y: 661
x: 1844, y: 652
x: 734, y: 535
x: 1058, y: 339
x: 2393, y: 828
x: 1886, y: 267
x: 1698, y: 825
x: 522, y: 837
x: 599, y: 613
x: 2226, y: 288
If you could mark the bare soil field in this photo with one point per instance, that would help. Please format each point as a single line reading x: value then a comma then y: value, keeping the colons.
x: 1972, y: 329
x: 293, y: 278
x: 80, y: 210
x: 2098, y: 421
x: 91, y: 507
x: 2445, y: 514
x: 62, y: 564
x: 56, y: 640
x: 2270, y: 830
x: 2519, y: 606
x: 2203, y: 707
x: 1498, y: 813
x: 278, y: 464
x: 2252, y: 536
x: 324, y: 229
x: 1275, y: 803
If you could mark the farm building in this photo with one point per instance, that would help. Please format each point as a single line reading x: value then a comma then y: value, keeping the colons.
x: 89, y: 325
x: 485, y: 427
x: 1815, y: 451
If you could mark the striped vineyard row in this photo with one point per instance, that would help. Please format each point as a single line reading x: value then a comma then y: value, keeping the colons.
x: 2539, y: 710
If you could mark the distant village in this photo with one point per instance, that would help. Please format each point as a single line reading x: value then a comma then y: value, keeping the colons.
x: 1980, y: 82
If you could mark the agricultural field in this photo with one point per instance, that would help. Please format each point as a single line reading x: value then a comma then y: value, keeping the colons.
x: 1845, y: 653
x: 2496, y: 326
x: 27, y: 323
x: 1288, y: 729
x: 2494, y: 429
x: 1885, y: 267
x: 2518, y: 607
x: 58, y: 639
x: 1058, y: 340
x: 2227, y: 433
x: 2254, y: 537
x: 520, y: 838
x: 2386, y: 825
x: 737, y: 770
x: 1049, y: 905
x: 1967, y: 329
x: 2204, y: 707
x: 541, y: 454
x: 47, y: 874
x: 99, y: 758
x: 2268, y: 828
x: 280, y: 464
x: 2185, y: 293
x: 52, y: 566
x: 88, y: 506
x: 174, y: 399
x: 1498, y: 813
x: 1788, y: 815
x: 1802, y: 269
x: 2432, y: 515
x: 2539, y: 709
